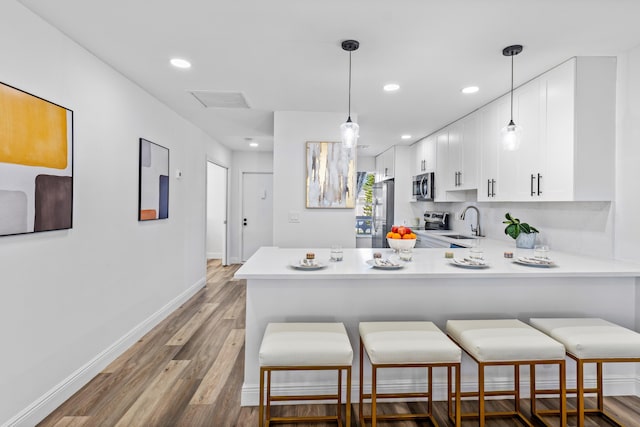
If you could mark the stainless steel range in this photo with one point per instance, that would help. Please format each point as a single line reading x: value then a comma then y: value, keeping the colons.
x: 436, y: 220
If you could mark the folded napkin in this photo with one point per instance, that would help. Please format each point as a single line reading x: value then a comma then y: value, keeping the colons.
x: 385, y: 263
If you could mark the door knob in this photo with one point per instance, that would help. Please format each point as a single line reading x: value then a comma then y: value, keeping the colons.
x: 244, y: 221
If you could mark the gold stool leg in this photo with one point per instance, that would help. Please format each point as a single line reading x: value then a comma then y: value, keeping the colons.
x: 374, y: 408
x: 261, y: 406
x: 348, y: 409
x: 339, y: 399
x: 580, y: 392
x: 562, y: 367
x: 458, y: 407
x: 600, y: 388
x: 481, y: 394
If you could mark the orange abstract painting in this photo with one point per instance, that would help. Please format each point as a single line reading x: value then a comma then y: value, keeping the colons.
x: 33, y: 132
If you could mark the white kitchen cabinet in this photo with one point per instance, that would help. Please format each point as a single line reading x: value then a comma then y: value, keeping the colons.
x: 457, y: 157
x: 567, y: 147
x: 385, y: 165
x: 424, y: 154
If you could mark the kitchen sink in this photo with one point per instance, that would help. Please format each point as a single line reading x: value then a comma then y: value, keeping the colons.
x: 457, y: 236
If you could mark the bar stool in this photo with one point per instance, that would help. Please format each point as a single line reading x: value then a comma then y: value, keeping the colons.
x: 509, y: 342
x: 407, y: 345
x: 305, y: 347
x: 592, y: 340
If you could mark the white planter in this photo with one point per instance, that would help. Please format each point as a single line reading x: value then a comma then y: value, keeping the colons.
x: 526, y: 241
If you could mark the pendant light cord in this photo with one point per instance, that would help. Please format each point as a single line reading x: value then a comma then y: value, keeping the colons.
x: 511, y: 87
x: 349, y: 115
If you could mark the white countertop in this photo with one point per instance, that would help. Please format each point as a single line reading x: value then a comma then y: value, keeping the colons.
x: 275, y: 263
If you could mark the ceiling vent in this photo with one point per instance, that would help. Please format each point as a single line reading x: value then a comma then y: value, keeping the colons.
x: 211, y: 99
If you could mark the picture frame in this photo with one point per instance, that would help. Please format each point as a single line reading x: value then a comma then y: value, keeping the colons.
x: 36, y: 163
x: 153, y: 182
x: 331, y: 176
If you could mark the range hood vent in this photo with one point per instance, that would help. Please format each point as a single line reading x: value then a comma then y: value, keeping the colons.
x: 211, y: 99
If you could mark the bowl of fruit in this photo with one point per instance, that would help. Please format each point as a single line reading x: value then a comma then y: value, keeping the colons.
x: 401, y: 237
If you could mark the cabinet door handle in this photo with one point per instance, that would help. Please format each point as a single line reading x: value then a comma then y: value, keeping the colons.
x: 459, y: 178
x: 493, y: 189
x: 532, y: 178
x: 488, y: 188
x: 385, y: 172
x: 539, y: 191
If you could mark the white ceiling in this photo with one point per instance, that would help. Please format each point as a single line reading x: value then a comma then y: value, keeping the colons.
x: 285, y: 55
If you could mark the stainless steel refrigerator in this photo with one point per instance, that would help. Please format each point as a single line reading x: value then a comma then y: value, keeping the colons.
x: 382, y: 213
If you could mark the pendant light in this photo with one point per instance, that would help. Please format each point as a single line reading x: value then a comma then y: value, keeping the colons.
x: 511, y: 133
x: 349, y: 130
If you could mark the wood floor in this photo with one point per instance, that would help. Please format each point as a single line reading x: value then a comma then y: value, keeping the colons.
x: 188, y: 371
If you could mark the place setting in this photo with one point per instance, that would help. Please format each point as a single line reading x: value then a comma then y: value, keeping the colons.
x: 540, y: 258
x: 309, y: 262
x: 378, y: 262
x: 475, y: 259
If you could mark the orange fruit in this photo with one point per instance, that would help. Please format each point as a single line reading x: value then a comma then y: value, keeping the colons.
x: 390, y: 234
x: 407, y: 237
x: 396, y: 236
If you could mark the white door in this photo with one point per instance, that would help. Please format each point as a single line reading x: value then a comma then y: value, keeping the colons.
x: 217, y: 212
x: 257, y: 212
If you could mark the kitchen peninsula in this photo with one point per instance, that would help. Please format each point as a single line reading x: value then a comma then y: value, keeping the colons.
x: 430, y: 288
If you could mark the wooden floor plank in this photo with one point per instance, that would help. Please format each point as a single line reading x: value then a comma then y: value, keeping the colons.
x: 73, y: 422
x: 144, y: 407
x: 211, y: 385
x: 208, y: 368
x: 189, y: 328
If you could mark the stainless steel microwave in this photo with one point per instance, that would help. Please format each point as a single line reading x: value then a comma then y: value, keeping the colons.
x: 423, y: 186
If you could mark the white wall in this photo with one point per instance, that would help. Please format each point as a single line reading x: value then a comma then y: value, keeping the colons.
x: 317, y: 227
x: 71, y: 300
x: 216, y: 210
x: 366, y: 163
x: 242, y: 161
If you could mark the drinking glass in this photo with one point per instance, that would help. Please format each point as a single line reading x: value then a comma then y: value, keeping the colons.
x: 336, y: 253
x: 476, y: 253
x: 541, y: 252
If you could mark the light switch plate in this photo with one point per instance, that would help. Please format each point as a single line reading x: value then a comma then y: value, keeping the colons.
x: 294, y: 216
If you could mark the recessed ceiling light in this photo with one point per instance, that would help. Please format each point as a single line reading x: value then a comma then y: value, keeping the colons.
x: 253, y: 144
x: 180, y: 63
x: 391, y: 87
x: 470, y: 89
x: 406, y: 136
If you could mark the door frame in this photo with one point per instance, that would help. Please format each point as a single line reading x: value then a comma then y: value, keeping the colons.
x: 225, y: 246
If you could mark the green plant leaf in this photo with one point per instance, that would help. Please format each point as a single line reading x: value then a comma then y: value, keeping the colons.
x: 533, y: 229
x: 513, y: 230
x: 525, y: 228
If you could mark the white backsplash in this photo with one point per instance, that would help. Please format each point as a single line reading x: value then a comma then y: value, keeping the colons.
x: 579, y: 227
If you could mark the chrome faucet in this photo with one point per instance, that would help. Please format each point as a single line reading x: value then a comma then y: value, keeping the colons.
x: 474, y: 230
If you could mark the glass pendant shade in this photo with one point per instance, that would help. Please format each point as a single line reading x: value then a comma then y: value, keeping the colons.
x: 349, y: 133
x: 511, y: 136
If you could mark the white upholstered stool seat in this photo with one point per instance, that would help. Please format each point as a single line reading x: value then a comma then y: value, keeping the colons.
x: 305, y: 344
x: 301, y: 347
x: 509, y: 342
x: 407, y: 345
x: 591, y: 340
x: 503, y: 340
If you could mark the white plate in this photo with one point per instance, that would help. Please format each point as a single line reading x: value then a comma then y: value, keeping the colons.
x: 532, y: 262
x: 299, y: 266
x: 465, y: 262
x: 394, y: 266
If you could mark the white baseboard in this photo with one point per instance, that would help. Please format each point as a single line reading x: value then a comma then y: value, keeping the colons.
x: 56, y: 396
x: 613, y: 386
x: 214, y: 255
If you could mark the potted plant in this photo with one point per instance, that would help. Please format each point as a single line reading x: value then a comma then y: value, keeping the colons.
x: 523, y: 233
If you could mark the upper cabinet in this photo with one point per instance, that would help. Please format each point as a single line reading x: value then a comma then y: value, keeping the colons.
x: 385, y: 165
x: 424, y: 154
x: 567, y: 147
x: 457, y: 152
